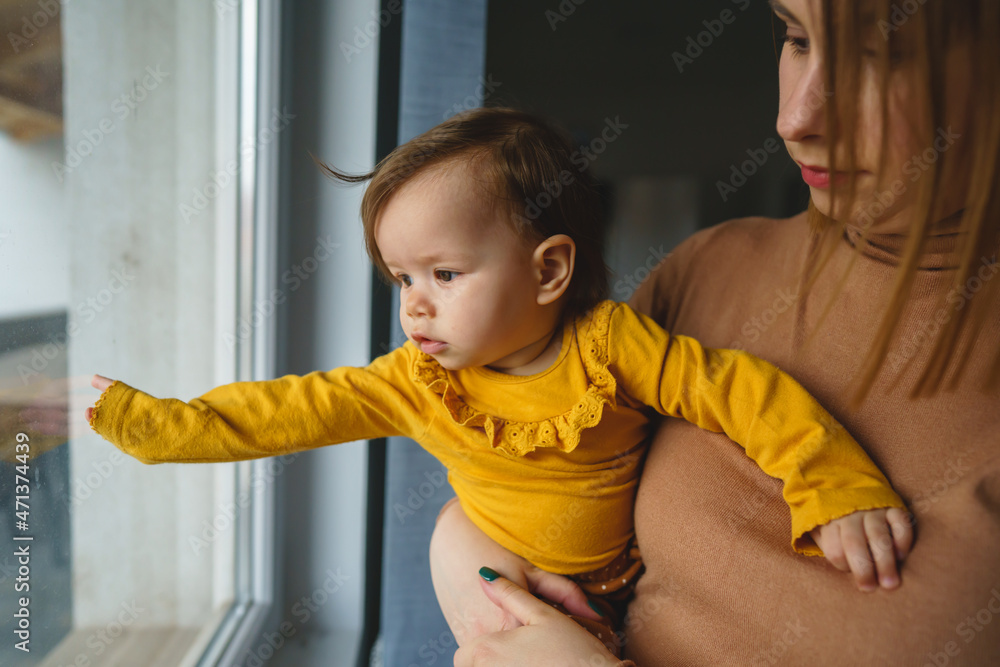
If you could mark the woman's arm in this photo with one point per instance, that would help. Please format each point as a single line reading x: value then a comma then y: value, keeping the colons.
x: 458, y: 548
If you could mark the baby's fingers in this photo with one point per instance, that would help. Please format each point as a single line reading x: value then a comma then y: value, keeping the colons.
x: 828, y: 539
x: 882, y: 549
x: 855, y: 541
x: 901, y: 524
x: 100, y: 382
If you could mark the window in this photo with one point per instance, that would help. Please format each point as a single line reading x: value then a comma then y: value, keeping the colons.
x: 133, y: 244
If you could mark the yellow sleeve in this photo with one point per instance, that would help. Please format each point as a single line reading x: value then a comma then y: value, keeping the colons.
x: 247, y: 420
x: 826, y: 473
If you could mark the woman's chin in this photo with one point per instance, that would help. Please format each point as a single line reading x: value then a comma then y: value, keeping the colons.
x: 864, y: 214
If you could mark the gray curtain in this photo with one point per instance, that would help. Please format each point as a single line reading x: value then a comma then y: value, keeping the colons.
x: 443, y: 62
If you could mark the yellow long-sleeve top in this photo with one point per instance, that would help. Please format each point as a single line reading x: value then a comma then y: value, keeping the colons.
x: 547, y: 464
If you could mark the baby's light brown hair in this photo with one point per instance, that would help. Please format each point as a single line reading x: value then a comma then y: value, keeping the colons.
x: 526, y: 167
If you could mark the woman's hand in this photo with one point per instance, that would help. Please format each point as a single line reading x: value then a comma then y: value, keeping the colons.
x: 457, y: 549
x: 869, y: 544
x: 546, y: 637
x: 97, y: 382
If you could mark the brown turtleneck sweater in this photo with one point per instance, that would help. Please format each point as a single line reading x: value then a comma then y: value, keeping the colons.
x: 722, y: 587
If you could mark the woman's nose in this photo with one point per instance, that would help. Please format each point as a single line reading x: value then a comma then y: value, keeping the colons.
x: 802, y: 112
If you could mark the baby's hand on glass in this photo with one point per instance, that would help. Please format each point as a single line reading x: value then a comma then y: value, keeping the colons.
x: 870, y: 544
x: 97, y: 382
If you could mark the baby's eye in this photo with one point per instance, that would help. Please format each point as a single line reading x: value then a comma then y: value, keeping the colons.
x: 445, y: 276
x: 404, y: 280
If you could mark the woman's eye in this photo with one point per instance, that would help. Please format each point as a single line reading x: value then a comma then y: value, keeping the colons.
x: 404, y: 280
x: 445, y: 276
x: 798, y: 45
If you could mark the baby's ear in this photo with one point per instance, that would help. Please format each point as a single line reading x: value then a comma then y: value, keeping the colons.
x: 553, y: 261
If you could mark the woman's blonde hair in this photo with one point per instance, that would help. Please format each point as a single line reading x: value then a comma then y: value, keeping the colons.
x: 922, y: 33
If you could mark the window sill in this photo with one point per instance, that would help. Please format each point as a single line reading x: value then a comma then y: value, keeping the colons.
x: 162, y: 646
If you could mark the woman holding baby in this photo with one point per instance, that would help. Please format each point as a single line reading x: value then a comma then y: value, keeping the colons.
x: 894, y: 327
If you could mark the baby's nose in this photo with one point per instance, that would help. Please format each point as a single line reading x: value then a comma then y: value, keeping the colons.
x: 418, y: 304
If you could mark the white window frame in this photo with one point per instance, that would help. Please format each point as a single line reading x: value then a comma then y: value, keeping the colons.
x: 249, y: 85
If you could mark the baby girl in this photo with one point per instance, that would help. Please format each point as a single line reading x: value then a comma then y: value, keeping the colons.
x: 535, y: 392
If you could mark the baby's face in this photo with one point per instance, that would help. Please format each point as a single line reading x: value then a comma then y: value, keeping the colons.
x: 467, y: 289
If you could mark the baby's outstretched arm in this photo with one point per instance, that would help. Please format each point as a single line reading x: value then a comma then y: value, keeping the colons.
x: 247, y: 420
x: 869, y: 544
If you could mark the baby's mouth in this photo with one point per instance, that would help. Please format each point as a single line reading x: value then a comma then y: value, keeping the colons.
x: 428, y: 345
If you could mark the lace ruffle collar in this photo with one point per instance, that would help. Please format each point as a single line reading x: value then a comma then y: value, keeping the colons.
x: 560, y: 431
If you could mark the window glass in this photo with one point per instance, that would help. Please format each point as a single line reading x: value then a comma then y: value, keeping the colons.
x: 117, y: 256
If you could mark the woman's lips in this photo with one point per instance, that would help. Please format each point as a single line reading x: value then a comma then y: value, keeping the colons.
x: 429, y: 346
x: 818, y: 177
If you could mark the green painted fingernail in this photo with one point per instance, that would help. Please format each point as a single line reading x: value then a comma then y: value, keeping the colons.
x: 595, y: 608
x: 488, y: 574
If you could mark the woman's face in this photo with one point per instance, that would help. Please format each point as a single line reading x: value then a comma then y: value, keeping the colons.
x: 885, y: 195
